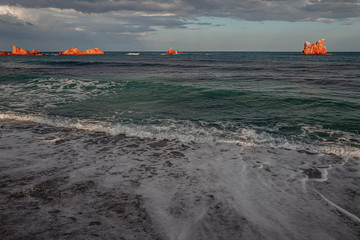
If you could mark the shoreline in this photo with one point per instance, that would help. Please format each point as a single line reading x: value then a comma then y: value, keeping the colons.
x: 74, y: 184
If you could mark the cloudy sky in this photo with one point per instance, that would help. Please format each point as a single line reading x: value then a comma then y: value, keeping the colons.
x: 188, y: 25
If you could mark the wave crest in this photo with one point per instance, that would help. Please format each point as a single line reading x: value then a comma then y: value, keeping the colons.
x: 190, y: 132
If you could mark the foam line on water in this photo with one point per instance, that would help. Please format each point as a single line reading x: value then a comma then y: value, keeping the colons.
x: 303, y: 183
x: 340, y: 209
x: 324, y: 175
x: 185, y: 132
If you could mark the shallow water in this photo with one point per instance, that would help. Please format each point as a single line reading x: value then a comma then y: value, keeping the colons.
x: 282, y: 100
x: 68, y: 183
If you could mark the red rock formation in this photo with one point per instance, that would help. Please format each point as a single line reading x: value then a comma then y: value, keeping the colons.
x: 71, y: 51
x: 36, y: 52
x: 76, y: 51
x: 172, y: 52
x: 20, y: 51
x: 315, y: 49
x: 94, y: 51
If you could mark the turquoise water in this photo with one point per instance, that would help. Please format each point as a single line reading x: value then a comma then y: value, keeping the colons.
x: 271, y: 99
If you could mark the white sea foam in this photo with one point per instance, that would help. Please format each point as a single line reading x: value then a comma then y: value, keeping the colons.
x: 200, y: 191
x: 220, y: 182
x: 187, y: 132
x: 340, y: 209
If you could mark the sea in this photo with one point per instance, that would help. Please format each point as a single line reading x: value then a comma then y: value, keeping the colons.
x: 200, y: 145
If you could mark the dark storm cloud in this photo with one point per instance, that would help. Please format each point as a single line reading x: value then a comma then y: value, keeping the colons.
x: 10, y: 20
x: 97, y: 6
x: 335, y: 9
x: 286, y: 10
x: 61, y: 23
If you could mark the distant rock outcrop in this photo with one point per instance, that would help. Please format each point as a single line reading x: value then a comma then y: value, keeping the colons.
x: 36, y: 52
x: 172, y: 52
x: 314, y: 49
x: 21, y: 51
x: 76, y: 51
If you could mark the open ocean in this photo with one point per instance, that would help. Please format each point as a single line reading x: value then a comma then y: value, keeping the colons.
x: 203, y: 145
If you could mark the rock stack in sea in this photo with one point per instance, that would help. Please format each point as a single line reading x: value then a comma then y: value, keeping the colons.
x: 76, y: 51
x: 21, y: 51
x: 314, y: 49
x: 172, y: 52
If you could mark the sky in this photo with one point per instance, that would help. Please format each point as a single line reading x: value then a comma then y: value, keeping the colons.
x: 187, y: 25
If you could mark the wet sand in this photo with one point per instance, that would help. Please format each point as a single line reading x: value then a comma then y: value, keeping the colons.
x: 59, y: 183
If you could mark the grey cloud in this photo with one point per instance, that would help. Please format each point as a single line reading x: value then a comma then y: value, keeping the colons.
x: 334, y: 9
x: 11, y: 20
x: 62, y: 36
x: 64, y: 31
x: 256, y: 10
x: 167, y: 22
x: 97, y: 6
x: 108, y: 22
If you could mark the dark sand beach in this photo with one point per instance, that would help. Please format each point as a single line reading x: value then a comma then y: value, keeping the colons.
x: 59, y: 183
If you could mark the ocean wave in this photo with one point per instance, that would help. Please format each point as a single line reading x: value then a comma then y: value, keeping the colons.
x: 104, y: 64
x: 48, y: 92
x: 186, y: 131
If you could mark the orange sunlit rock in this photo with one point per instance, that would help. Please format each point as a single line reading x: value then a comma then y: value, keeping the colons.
x: 76, y: 51
x: 94, y: 51
x: 172, y: 52
x: 36, y: 52
x: 314, y: 49
x: 21, y: 51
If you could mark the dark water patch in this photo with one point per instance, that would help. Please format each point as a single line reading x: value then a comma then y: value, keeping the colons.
x: 17, y: 78
x: 46, y: 190
x: 103, y: 64
x: 312, y: 173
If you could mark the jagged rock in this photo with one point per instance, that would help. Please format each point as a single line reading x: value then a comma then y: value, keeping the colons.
x: 94, y: 51
x: 76, y: 51
x: 21, y: 51
x: 36, y: 52
x: 172, y: 52
x: 314, y: 49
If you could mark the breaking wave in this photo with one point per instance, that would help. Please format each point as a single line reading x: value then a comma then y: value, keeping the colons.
x: 185, y: 131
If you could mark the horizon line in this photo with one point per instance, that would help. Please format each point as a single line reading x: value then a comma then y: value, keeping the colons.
x: 198, y: 51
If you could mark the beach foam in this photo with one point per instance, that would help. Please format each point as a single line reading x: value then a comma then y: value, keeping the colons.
x: 190, y: 132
